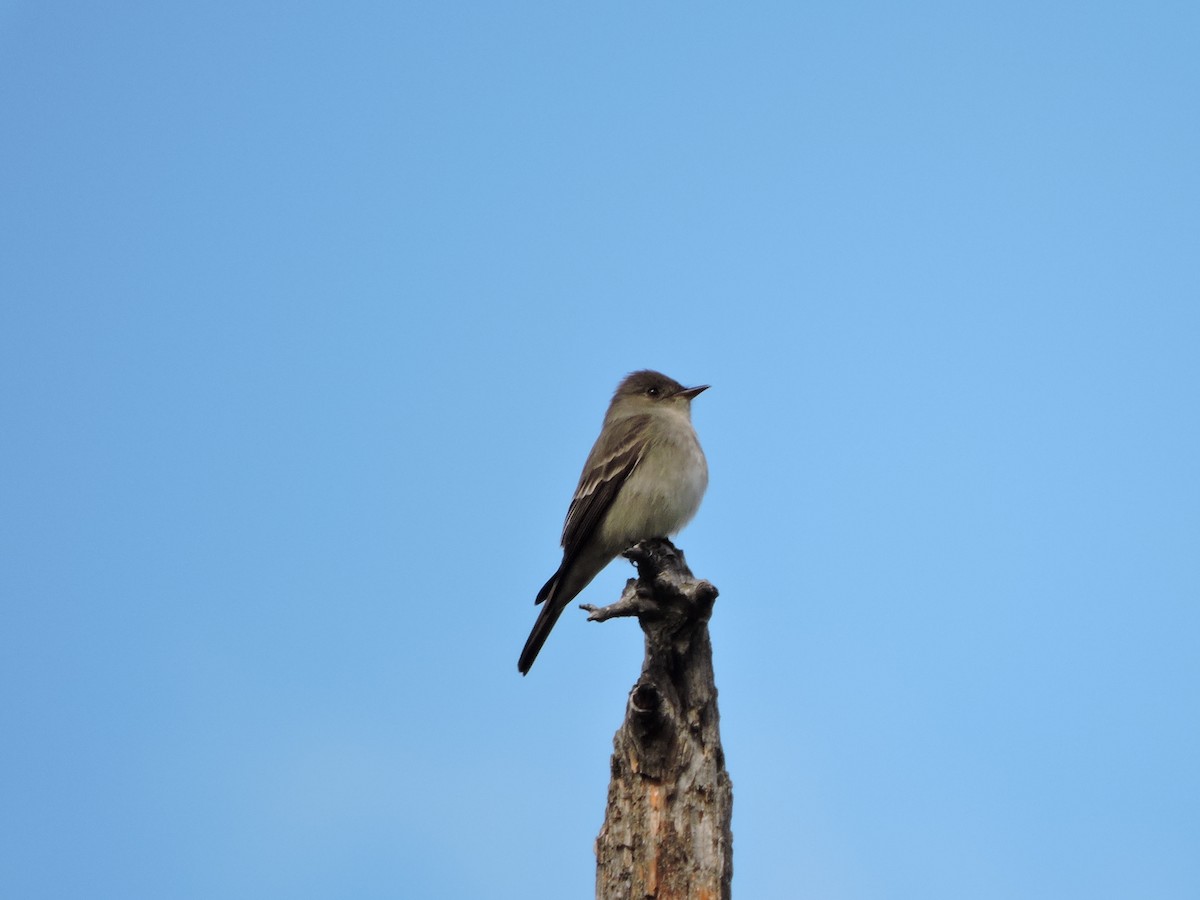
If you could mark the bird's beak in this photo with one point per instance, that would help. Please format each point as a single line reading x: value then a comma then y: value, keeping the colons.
x: 691, y: 393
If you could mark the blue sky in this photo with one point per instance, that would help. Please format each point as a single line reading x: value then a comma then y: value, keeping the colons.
x: 310, y: 316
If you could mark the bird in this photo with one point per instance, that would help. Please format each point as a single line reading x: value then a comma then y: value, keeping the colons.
x: 644, y: 478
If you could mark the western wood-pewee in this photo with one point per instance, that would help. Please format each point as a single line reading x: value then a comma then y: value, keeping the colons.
x: 643, y: 479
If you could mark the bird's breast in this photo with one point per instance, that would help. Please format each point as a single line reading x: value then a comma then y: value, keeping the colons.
x: 662, y: 493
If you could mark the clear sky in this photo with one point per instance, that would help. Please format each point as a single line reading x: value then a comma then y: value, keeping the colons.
x: 311, y: 311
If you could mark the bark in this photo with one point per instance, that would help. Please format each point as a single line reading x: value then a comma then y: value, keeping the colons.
x: 666, y: 832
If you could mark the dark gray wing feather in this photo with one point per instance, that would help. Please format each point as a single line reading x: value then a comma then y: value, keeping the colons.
x: 604, y: 474
x: 608, y: 467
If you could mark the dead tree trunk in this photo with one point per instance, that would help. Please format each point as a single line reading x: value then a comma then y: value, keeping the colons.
x: 666, y: 832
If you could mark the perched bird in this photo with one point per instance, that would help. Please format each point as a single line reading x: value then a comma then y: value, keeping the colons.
x: 644, y: 479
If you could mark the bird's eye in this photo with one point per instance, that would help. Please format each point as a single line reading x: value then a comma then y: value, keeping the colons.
x: 652, y: 392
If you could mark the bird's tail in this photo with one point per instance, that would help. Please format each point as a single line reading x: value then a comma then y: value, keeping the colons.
x: 545, y: 621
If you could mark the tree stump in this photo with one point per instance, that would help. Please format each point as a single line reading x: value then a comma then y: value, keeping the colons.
x: 666, y: 832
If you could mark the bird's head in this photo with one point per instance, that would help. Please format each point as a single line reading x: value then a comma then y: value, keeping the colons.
x: 645, y: 390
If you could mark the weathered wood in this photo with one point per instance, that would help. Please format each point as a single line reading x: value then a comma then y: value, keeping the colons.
x: 666, y: 832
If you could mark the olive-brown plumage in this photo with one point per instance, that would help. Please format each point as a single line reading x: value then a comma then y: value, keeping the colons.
x: 644, y: 479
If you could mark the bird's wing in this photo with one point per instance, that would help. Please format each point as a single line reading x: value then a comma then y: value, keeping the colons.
x: 604, y: 474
